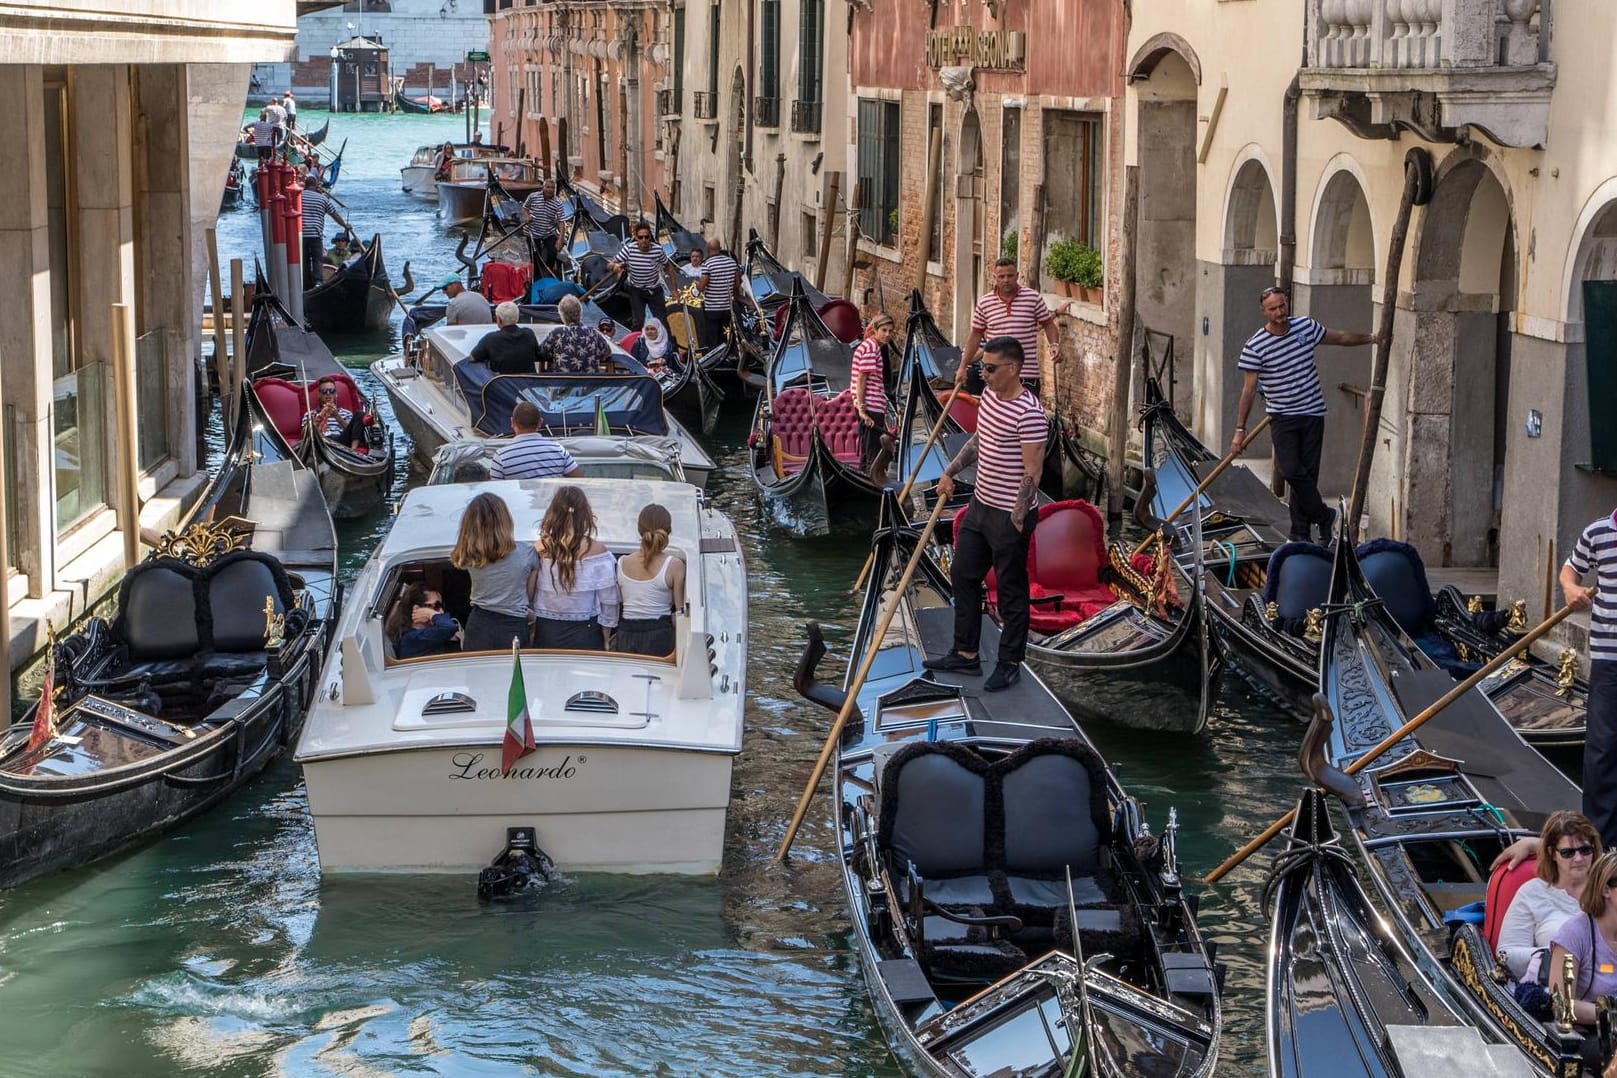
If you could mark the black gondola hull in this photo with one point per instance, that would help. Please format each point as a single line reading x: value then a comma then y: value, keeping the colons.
x: 356, y: 299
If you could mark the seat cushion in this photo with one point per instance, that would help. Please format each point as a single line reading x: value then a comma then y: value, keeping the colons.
x: 237, y: 591
x: 838, y: 425
x: 1397, y: 575
x: 983, y: 963
x: 792, y: 421
x: 1026, y: 891
x: 964, y: 411
x: 157, y: 611
x: 933, y: 802
x: 1055, y: 809
x: 1299, y: 580
x: 842, y: 318
x: 284, y: 403
x: 954, y: 892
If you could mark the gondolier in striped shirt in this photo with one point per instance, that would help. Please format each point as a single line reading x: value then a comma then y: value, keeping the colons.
x: 1596, y: 553
x: 645, y: 266
x: 720, y: 280
x: 542, y: 215
x: 1279, y: 360
x: 1011, y: 309
x: 317, y: 206
x: 869, y: 391
x: 1008, y: 450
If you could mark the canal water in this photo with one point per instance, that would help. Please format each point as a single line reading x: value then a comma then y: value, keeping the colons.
x: 218, y: 950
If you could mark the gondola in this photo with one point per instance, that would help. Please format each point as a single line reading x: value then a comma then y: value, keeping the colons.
x: 358, y: 298
x: 680, y: 240
x: 805, y: 440
x: 418, y: 106
x: 772, y: 286
x: 1264, y: 594
x: 235, y: 180
x: 284, y: 364
x: 201, y: 677
x: 973, y: 832
x: 1428, y: 817
x: 1345, y: 998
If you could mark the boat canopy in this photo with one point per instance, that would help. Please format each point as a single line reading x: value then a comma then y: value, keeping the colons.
x: 566, y: 402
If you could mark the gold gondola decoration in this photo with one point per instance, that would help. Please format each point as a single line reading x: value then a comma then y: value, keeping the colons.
x: 1518, y: 617
x: 274, y: 625
x: 1314, y: 625
x: 1271, y: 610
x: 1473, y: 605
x: 1566, y: 673
x: 1563, y: 992
x: 205, y: 541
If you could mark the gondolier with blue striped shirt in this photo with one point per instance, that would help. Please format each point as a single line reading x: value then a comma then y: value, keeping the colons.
x: 1596, y: 553
x: 542, y: 214
x: 645, y: 265
x: 317, y: 205
x: 1279, y: 360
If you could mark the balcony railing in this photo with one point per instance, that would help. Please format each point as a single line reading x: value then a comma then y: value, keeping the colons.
x: 669, y: 103
x: 766, y: 111
x: 1428, y: 34
x: 705, y: 105
x: 806, y: 117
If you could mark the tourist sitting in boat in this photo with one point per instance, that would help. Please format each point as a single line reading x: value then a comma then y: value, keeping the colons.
x: 503, y: 574
x: 692, y: 270
x: 1591, y: 939
x: 870, y: 396
x: 418, y: 625
x: 652, y: 347
x: 339, y: 254
x: 465, y: 308
x: 446, y: 158
x: 651, y: 582
x: 576, y: 605
x: 509, y: 349
x: 332, y: 420
x: 1543, y: 904
x: 531, y: 455
x: 574, y: 348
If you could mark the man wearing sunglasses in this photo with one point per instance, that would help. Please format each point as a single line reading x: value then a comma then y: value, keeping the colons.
x: 1008, y: 450
x: 330, y: 419
x: 647, y: 265
x: 1596, y: 553
x: 1279, y: 360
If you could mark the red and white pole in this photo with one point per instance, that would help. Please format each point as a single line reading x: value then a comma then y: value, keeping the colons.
x: 294, y: 246
x: 277, y: 256
x: 261, y: 187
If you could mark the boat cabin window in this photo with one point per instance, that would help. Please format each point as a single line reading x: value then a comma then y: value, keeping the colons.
x: 454, y: 586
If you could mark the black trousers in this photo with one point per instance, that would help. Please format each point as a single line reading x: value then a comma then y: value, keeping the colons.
x: 987, y: 539
x: 645, y: 636
x: 487, y: 630
x: 574, y: 635
x: 314, y: 256
x: 542, y: 251
x: 715, y: 324
x: 642, y: 298
x: 1297, y: 441
x: 1600, y: 751
x: 870, y: 443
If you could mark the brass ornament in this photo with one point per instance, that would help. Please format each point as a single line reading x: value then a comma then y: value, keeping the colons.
x: 274, y: 625
x: 1473, y: 605
x: 1314, y: 625
x: 1271, y: 610
x: 204, y: 542
x: 1518, y: 617
x: 1564, y: 992
x: 1566, y: 673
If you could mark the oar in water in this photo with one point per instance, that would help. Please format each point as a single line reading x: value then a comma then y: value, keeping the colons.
x: 1205, y: 483
x: 931, y: 437
x: 1398, y: 735
x: 871, y: 651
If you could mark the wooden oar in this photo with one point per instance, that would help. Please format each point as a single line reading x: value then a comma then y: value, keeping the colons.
x: 1205, y: 483
x: 903, y: 493
x: 871, y: 651
x: 1398, y: 735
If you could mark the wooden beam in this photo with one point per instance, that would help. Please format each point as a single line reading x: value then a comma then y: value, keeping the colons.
x: 1212, y: 124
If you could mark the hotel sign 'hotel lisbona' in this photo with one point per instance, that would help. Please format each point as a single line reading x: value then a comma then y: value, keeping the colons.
x: 966, y: 46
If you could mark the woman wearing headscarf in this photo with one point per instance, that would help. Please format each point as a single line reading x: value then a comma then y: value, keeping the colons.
x: 653, y: 346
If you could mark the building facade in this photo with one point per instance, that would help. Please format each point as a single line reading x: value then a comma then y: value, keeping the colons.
x: 1022, y: 102
x: 1495, y: 445
x: 122, y: 126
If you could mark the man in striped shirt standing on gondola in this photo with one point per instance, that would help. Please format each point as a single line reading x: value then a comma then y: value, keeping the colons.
x: 1596, y: 552
x: 1279, y: 359
x: 1008, y: 450
x: 1011, y: 309
x: 541, y: 222
x: 721, y: 276
x: 317, y: 205
x: 646, y: 266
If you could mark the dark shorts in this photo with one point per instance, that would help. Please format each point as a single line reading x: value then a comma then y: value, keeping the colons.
x: 568, y: 635
x: 645, y: 636
x: 488, y: 631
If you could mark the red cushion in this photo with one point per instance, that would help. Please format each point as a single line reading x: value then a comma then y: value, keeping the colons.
x: 629, y: 341
x: 838, y: 426
x: 792, y: 421
x: 842, y: 318
x: 964, y: 412
x: 1502, y: 888
x: 283, y: 401
x: 504, y: 281
x: 1073, y: 535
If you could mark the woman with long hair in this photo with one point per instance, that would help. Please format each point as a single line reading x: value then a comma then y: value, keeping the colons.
x: 1591, y: 939
x: 418, y: 625
x: 503, y: 575
x: 1568, y: 846
x: 869, y: 391
x: 577, y: 600
x: 652, y: 583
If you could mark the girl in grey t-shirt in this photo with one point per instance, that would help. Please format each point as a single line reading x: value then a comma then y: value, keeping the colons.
x: 504, y: 575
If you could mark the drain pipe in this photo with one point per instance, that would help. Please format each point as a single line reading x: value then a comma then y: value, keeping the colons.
x: 1287, y: 268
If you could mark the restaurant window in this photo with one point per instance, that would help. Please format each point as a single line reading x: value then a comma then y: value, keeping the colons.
x: 78, y: 405
x: 878, y: 170
x: 713, y: 32
x: 1010, y: 186
x: 1072, y: 176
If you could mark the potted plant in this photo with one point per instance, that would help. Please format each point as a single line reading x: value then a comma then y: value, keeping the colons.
x: 1008, y: 244
x: 1064, y: 262
x: 892, y: 227
x: 1091, y: 274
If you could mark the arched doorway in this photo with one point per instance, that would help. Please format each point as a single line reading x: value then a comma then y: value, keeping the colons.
x: 1457, y: 372
x: 1245, y: 267
x: 1165, y: 76
x: 1337, y: 289
x: 968, y: 224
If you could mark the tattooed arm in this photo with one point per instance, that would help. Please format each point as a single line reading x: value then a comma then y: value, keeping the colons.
x: 962, y: 460
x: 1032, y: 472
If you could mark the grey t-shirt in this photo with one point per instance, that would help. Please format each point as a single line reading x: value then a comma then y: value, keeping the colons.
x: 468, y: 309
x: 502, y: 588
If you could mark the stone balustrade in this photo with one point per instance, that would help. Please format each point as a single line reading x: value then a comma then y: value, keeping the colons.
x: 1428, y: 34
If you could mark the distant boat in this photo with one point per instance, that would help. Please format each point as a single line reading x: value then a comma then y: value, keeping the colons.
x: 418, y: 105
x: 356, y: 298
x: 420, y: 176
x: 462, y: 195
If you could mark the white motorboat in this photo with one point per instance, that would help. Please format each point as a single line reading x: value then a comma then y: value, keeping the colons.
x: 441, y: 395
x: 402, y: 757
x: 420, y: 177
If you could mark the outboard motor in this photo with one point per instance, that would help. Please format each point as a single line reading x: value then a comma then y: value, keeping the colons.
x: 521, y: 866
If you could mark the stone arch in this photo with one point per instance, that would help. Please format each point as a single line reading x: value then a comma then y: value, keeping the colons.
x: 1470, y: 199
x: 1343, y: 246
x: 1158, y: 48
x: 1593, y: 255
x: 1251, y: 219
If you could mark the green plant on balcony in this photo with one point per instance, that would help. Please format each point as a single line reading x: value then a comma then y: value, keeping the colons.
x: 1008, y: 244
x: 1074, y: 262
x: 892, y: 224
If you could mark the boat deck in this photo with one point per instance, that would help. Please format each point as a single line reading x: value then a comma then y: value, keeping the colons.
x: 1009, y: 713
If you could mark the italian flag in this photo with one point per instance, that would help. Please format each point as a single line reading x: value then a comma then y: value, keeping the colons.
x: 602, y: 427
x: 518, y: 727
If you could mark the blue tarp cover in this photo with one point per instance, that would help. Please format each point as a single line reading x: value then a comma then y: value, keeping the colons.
x: 632, y: 402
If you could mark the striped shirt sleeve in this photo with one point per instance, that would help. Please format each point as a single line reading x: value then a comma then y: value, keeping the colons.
x: 1583, y: 555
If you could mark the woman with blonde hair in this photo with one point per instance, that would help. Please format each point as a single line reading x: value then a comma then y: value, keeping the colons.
x: 652, y: 583
x: 1591, y: 939
x: 1568, y: 846
x: 577, y: 600
x: 503, y: 575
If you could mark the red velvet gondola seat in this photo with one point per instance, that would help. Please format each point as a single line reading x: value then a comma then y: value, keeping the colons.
x: 1064, y: 560
x: 838, y: 425
x: 286, y: 401
x: 791, y: 429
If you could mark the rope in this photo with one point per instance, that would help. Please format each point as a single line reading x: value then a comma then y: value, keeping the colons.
x: 1229, y: 581
x: 1295, y: 858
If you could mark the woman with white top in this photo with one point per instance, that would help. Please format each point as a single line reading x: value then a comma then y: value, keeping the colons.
x: 652, y: 583
x: 576, y: 605
x: 1568, y: 846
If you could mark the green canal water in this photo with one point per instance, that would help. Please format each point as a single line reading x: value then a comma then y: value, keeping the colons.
x: 218, y: 950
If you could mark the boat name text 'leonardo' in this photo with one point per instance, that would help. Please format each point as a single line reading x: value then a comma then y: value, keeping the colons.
x: 466, y: 767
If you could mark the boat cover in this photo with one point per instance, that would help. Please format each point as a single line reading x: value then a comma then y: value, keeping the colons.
x: 631, y: 402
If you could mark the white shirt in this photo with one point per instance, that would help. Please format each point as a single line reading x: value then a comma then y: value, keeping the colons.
x: 1535, y: 915
x: 277, y: 115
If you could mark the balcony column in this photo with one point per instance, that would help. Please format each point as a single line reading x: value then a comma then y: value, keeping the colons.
x: 1522, y: 38
x: 1468, y: 32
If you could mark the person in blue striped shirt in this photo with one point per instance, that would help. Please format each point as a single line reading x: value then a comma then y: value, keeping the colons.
x: 531, y: 455
x: 1279, y: 360
x: 1596, y: 553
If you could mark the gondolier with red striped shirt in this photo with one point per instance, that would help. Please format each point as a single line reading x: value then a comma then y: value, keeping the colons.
x: 542, y: 215
x: 646, y: 265
x: 869, y: 391
x: 1596, y: 553
x: 1008, y: 450
x: 317, y: 205
x: 1011, y: 309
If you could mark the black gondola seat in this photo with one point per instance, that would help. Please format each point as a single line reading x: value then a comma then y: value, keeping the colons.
x: 185, y: 629
x: 979, y: 851
x: 1396, y: 573
x: 1298, y: 580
